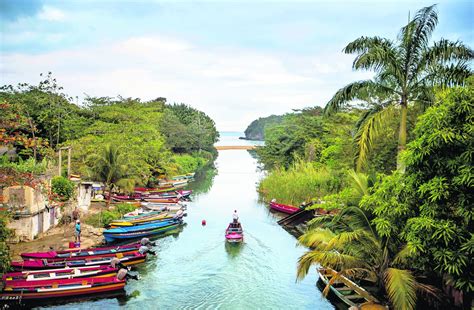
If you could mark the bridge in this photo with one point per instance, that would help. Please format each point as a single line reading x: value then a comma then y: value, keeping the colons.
x: 235, y: 147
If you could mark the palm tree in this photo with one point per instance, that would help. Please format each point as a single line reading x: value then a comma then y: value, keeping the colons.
x: 110, y: 167
x: 348, y: 243
x: 406, y: 72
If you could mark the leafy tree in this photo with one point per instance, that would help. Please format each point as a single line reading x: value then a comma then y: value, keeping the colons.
x: 256, y: 129
x: 430, y: 206
x: 5, y: 233
x: 405, y: 73
x: 62, y: 187
x: 110, y: 167
x: 350, y: 244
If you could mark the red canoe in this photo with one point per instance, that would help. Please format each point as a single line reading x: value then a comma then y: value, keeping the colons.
x: 17, y: 290
x: 283, y: 208
x: 39, y: 264
x: 234, y: 233
x: 82, y: 253
x: 65, y: 273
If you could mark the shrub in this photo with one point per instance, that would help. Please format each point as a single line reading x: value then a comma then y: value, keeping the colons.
x: 62, y: 187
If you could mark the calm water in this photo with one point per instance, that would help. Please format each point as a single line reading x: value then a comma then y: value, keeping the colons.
x: 196, y: 269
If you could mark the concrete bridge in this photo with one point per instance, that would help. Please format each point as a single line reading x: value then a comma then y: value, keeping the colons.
x: 235, y: 147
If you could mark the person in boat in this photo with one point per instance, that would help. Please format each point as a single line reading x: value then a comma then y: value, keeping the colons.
x: 235, y: 217
x: 78, y: 231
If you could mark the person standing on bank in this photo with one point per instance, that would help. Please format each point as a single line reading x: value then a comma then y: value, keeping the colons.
x: 78, y: 231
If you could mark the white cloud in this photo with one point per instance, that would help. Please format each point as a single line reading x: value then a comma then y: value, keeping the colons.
x: 50, y: 13
x: 233, y: 86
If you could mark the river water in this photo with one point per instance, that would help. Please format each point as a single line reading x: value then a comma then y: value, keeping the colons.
x: 196, y: 269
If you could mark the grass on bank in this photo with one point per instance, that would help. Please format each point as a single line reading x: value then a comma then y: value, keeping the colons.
x: 103, y: 218
x: 303, y: 181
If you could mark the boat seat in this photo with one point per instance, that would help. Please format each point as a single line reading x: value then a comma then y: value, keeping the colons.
x: 355, y: 296
x: 345, y: 288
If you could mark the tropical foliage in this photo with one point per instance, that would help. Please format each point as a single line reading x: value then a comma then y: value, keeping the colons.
x: 5, y: 233
x: 406, y: 72
x: 63, y: 187
x: 256, y: 129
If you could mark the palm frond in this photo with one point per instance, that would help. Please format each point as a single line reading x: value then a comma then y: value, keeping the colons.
x: 355, y: 91
x: 374, y: 53
x: 368, y: 128
x: 360, y: 182
x: 316, y: 237
x: 401, y: 288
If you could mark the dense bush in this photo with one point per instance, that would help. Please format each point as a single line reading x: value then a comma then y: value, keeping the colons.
x: 104, y: 218
x: 63, y: 187
x: 5, y: 233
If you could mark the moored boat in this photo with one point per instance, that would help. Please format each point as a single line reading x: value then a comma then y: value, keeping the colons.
x: 126, y: 259
x: 234, y: 233
x: 349, y: 292
x: 163, y: 208
x: 162, y: 200
x: 288, y: 209
x: 65, y: 273
x: 19, y: 290
x: 146, y: 219
x: 141, y: 230
x: 82, y: 253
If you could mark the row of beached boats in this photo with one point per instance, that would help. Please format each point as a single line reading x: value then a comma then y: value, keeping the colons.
x: 95, y: 271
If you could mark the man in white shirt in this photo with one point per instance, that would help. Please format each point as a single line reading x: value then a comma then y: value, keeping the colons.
x: 235, y: 216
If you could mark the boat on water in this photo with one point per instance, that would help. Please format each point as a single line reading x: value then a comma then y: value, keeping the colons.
x: 234, y: 233
x: 126, y: 259
x: 349, y: 292
x: 163, y: 208
x: 144, y: 190
x: 114, y: 234
x: 82, y: 253
x: 146, y: 219
x: 288, y: 209
x: 64, y: 273
x: 34, y: 290
x: 162, y: 200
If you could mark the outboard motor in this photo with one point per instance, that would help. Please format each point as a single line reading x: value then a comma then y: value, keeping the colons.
x: 144, y: 249
x: 146, y: 241
x: 116, y: 263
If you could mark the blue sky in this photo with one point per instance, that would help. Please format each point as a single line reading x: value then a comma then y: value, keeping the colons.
x: 235, y: 60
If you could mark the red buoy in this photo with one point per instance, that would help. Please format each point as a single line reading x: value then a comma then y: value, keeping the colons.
x: 203, y: 222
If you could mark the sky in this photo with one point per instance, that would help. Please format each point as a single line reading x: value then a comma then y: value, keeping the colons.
x: 234, y: 60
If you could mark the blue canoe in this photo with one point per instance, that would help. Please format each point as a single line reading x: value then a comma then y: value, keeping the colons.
x: 141, y: 230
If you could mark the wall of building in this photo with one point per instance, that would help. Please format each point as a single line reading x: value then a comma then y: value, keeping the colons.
x: 28, y: 227
x: 84, y: 196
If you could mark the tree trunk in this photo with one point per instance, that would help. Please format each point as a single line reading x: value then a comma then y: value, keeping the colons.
x: 107, y: 205
x: 402, y: 137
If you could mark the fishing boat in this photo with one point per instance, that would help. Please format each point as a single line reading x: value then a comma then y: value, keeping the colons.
x: 126, y: 259
x: 288, y: 209
x: 37, y: 290
x: 163, y: 208
x: 349, y: 292
x: 234, y: 233
x: 82, y: 253
x: 165, y: 188
x: 184, y: 193
x: 146, y: 220
x: 162, y: 200
x: 141, y: 230
x: 65, y: 273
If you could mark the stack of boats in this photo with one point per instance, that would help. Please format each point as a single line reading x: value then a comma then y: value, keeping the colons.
x: 85, y: 272
x: 71, y: 273
x: 159, y: 212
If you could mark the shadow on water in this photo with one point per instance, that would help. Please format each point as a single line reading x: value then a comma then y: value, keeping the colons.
x: 203, y: 180
x: 233, y: 249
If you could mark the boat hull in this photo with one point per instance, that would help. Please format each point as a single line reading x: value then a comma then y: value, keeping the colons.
x: 284, y: 208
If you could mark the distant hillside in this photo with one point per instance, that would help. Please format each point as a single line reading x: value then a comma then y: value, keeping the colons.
x: 256, y: 129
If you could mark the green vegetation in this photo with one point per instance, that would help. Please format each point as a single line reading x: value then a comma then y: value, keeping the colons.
x: 256, y: 129
x: 62, y: 187
x: 406, y: 73
x: 104, y: 218
x: 5, y: 233
x: 406, y: 230
x: 154, y: 138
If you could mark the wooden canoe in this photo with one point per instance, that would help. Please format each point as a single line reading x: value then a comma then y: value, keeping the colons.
x: 348, y: 292
x: 288, y: 209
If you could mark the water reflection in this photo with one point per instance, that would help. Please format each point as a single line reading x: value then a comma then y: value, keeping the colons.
x: 233, y: 249
x: 203, y: 180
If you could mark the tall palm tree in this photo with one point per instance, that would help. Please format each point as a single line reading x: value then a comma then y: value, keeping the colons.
x: 111, y: 168
x: 406, y: 71
x: 349, y: 244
